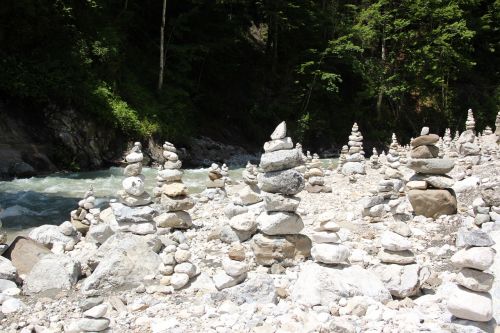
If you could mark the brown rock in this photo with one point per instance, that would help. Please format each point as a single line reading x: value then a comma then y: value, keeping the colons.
x: 422, y: 140
x: 214, y: 175
x: 236, y: 252
x: 426, y: 151
x: 433, y: 202
x: 80, y: 226
x: 280, y: 249
x: 25, y: 253
x: 176, y: 189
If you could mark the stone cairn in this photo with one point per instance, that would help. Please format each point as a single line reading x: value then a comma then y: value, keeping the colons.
x: 447, y: 141
x: 486, y: 208
x: 243, y: 210
x: 497, y: 126
x: 94, y: 320
x: 374, y: 160
x: 468, y: 148
x: 176, y: 266
x: 234, y: 268
x: 327, y: 248
x: 302, y: 167
x: 355, y: 161
x: 85, y: 215
x: 429, y: 190
x: 133, y: 193
x: 172, y: 194
x: 216, y: 183
x: 279, y: 241
x: 471, y: 300
x: 315, y: 181
x: 225, y: 174
x: 342, y: 158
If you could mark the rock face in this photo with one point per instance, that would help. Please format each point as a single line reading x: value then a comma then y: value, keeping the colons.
x: 355, y: 160
x: 435, y: 196
x: 282, y: 241
x: 471, y: 300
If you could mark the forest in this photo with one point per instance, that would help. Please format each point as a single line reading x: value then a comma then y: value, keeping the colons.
x: 232, y: 69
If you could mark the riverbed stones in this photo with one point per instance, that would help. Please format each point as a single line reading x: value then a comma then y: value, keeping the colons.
x: 133, y: 192
x: 436, y: 197
x: 355, y: 160
x: 86, y: 214
x: 279, y: 239
x: 471, y: 300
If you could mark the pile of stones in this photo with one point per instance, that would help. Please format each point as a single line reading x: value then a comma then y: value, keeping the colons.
x: 172, y: 194
x: 471, y: 300
x: 85, y: 215
x: 234, y: 268
x: 242, y: 212
x: 216, y: 183
x: 302, y: 167
x: 133, y: 193
x: 468, y: 147
x: 486, y: 208
x: 279, y: 239
x: 225, y: 174
x: 327, y: 248
x: 393, y: 176
x: 315, y: 181
x: 374, y: 160
x: 94, y: 319
x: 429, y: 190
x: 342, y: 158
x: 3, y: 239
x: 176, y: 266
x: 497, y: 125
x: 355, y: 161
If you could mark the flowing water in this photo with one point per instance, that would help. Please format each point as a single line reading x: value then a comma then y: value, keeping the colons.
x: 31, y: 202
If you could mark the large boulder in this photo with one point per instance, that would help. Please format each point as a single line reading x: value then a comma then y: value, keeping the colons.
x: 123, y: 261
x: 289, y: 249
x: 433, y: 202
x: 288, y: 182
x: 323, y: 285
x: 52, y: 272
x: 25, y: 253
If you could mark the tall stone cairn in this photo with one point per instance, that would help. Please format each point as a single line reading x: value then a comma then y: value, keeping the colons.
x: 468, y: 147
x: 171, y: 193
x: 471, y: 300
x: 133, y: 192
x: 429, y: 190
x: 342, y: 158
x: 279, y: 241
x: 355, y: 160
x: 393, y: 177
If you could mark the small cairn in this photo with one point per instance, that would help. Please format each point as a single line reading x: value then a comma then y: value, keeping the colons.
x: 234, y: 268
x: 471, y: 300
x: 216, y: 183
x: 468, y: 147
x: 301, y: 168
x: 225, y: 174
x: 393, y: 177
x: 355, y: 161
x: 94, y: 319
x: 327, y: 248
x: 486, y: 208
x: 172, y: 194
x: 133, y: 193
x: 374, y: 160
x: 447, y: 141
x: 429, y: 190
x: 176, y: 266
x: 3, y: 239
x: 497, y: 126
x: 242, y: 212
x: 402, y: 152
x: 315, y: 181
x: 85, y: 215
x: 279, y: 241
x: 487, y: 131
x: 342, y: 158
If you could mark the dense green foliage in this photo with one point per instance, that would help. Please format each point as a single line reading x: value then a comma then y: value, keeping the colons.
x: 234, y: 68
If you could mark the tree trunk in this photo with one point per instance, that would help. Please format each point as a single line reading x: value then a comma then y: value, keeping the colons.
x: 162, y: 42
x: 381, y: 91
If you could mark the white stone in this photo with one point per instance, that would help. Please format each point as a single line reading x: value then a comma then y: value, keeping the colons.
x: 280, y: 223
x: 12, y: 305
x: 223, y: 280
x: 97, y: 311
x: 470, y: 305
x: 330, y: 253
x: 133, y: 185
x: 394, y: 242
x: 179, y: 280
x: 53, y: 271
x: 234, y: 268
x: 186, y: 268
x: 480, y: 258
x: 7, y: 270
x: 325, y: 237
x: 279, y: 132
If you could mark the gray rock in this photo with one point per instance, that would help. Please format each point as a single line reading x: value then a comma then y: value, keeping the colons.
x: 287, y: 182
x: 99, y: 233
x: 401, y: 280
x: 176, y: 204
x: 126, y: 214
x: 351, y: 168
x: 394, y: 242
x: 436, y: 181
x: 232, y: 210
x: 330, y: 253
x: 279, y: 132
x: 6, y: 284
x: 280, y: 223
x: 480, y: 258
x: 396, y: 257
x: 176, y: 220
x: 401, y: 228
x: 223, y: 280
x: 280, y: 160
x: 275, y: 202
x: 491, y: 195
x: 269, y: 250
x: 25, y: 253
x: 476, y: 237
x: 475, y: 280
x: 53, y: 271
x: 258, y: 288
x: 90, y: 302
x: 470, y: 149
x: 432, y: 166
x: 93, y: 325
x: 278, y: 144
x: 422, y: 140
x: 425, y: 151
x: 368, y: 202
x: 49, y: 234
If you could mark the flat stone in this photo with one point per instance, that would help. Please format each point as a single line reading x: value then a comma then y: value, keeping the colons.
x: 133, y: 200
x: 24, y: 253
x: 470, y: 305
x: 269, y: 250
x: 123, y: 213
x: 275, y: 202
x: 97, y: 311
x: 435, y: 181
x: 352, y: 168
x: 280, y: 160
x: 401, y: 228
x: 475, y: 280
x: 176, y: 220
x: 480, y: 258
x: 248, y: 196
x: 476, y: 237
x: 133, y: 169
x: 330, y: 253
x: 368, y: 202
x: 422, y: 140
x: 280, y: 223
x: 426, y: 151
x: 176, y: 204
x: 416, y: 185
x: 401, y: 280
x: 244, y: 222
x: 435, y: 166
x: 398, y: 257
x: 394, y: 242
x: 170, y: 175
x: 325, y: 237
x: 433, y: 202
x: 53, y: 271
x: 234, y: 268
x: 176, y: 189
x: 93, y: 325
x: 278, y: 144
x: 288, y: 182
x: 223, y: 280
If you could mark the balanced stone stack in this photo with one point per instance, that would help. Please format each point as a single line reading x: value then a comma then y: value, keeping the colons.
x: 176, y: 266
x: 355, y: 161
x: 234, y: 268
x: 374, y: 160
x: 486, y: 208
x: 133, y: 193
x: 468, y: 148
x: 225, y: 174
x: 497, y: 125
x: 216, y: 182
x: 85, y: 215
x: 3, y: 239
x: 447, y: 141
x: 392, y: 183
x: 242, y: 212
x: 279, y: 240
x: 398, y: 261
x: 172, y: 193
x: 342, y: 157
x: 94, y: 319
x: 301, y: 168
x: 402, y: 152
x: 471, y: 300
x: 315, y: 181
x: 429, y: 190
x: 327, y: 248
